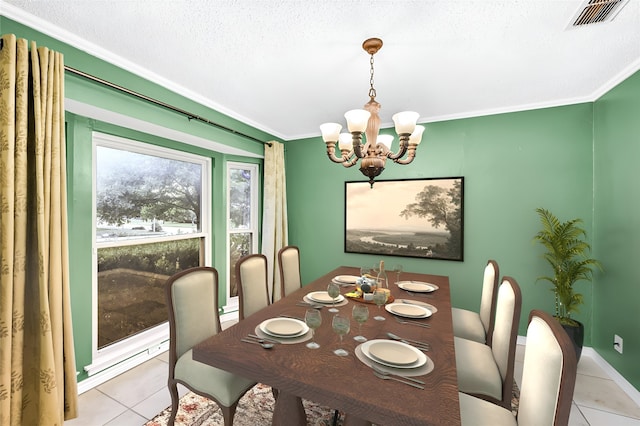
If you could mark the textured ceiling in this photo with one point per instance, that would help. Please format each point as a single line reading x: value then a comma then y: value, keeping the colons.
x: 286, y: 66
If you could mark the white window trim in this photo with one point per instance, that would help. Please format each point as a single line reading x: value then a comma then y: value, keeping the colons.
x: 232, y: 303
x: 152, y: 340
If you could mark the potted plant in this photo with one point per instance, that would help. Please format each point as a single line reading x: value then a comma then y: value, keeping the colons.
x: 568, y: 255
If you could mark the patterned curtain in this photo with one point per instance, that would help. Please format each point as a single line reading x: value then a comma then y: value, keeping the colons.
x: 37, y: 364
x: 274, y: 212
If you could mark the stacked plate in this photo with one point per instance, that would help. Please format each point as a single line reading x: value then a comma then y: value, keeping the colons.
x: 417, y: 286
x: 284, y: 330
x: 345, y: 280
x: 408, y: 310
x: 394, y: 356
x: 322, y: 297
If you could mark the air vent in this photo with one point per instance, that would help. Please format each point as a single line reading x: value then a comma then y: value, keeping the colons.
x: 595, y: 11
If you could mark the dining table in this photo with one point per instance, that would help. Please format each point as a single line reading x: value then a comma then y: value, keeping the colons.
x: 347, y: 383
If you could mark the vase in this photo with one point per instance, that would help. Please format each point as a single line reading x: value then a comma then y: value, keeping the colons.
x: 576, y: 334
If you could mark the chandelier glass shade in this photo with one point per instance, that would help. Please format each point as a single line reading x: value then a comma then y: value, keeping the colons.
x: 376, y: 149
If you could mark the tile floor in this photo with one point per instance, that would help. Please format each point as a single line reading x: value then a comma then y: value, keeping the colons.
x: 138, y: 395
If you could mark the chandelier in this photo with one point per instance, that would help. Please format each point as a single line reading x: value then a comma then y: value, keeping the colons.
x: 374, y: 153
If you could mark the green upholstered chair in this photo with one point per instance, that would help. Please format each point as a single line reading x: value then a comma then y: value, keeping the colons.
x: 253, y: 286
x: 289, y: 265
x: 192, y: 301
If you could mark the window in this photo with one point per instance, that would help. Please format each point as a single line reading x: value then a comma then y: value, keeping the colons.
x: 242, y: 219
x: 150, y: 222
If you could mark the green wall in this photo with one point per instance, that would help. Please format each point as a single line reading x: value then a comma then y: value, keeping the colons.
x: 616, y: 307
x: 79, y: 165
x: 511, y: 163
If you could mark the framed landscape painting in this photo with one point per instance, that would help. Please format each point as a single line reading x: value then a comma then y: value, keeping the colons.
x: 411, y: 218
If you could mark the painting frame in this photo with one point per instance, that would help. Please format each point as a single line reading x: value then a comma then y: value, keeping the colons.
x: 422, y: 217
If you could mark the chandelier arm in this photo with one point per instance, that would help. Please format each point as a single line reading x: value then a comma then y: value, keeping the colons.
x: 404, y: 142
x: 411, y: 153
x: 359, y: 148
x: 331, y: 153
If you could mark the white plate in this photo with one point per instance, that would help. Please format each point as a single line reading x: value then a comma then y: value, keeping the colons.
x: 346, y: 279
x: 323, y: 297
x: 430, y: 307
x: 393, y: 354
x: 417, y: 286
x: 407, y: 310
x: 284, y: 327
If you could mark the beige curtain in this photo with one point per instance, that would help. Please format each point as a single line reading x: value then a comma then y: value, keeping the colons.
x: 274, y: 212
x: 37, y: 364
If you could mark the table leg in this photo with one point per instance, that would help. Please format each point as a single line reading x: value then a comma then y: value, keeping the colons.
x: 288, y: 410
x: 355, y: 421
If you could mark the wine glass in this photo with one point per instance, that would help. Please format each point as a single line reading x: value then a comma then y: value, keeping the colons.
x: 360, y: 314
x: 313, y: 319
x: 341, y: 326
x: 398, y: 268
x: 333, y: 290
x: 379, y: 298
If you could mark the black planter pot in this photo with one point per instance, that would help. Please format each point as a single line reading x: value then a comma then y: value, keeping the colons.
x: 576, y: 334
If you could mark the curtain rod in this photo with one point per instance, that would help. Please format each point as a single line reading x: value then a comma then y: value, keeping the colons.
x: 189, y: 115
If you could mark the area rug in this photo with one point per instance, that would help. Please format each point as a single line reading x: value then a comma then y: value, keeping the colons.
x: 254, y: 408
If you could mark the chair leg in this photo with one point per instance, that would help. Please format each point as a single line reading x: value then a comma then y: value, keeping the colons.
x: 228, y: 414
x: 173, y: 390
x: 336, y: 416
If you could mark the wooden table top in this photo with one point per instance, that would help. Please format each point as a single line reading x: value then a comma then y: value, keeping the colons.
x: 345, y: 383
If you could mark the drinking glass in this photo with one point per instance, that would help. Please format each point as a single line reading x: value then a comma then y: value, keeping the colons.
x: 365, y: 270
x: 333, y: 290
x: 360, y: 314
x: 398, y: 268
x: 313, y: 319
x: 379, y: 298
x: 341, y: 326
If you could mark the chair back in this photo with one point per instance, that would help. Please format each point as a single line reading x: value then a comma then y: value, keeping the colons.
x: 489, y: 297
x: 549, y: 373
x: 192, y: 301
x: 289, y: 264
x: 253, y: 285
x: 505, y: 334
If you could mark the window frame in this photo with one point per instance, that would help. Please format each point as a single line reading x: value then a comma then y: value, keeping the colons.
x: 155, y: 338
x: 232, y: 303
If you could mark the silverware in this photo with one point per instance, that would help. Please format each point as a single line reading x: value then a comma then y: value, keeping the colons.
x: 262, y: 339
x: 416, y: 343
x: 406, y: 382
x: 386, y: 373
x: 420, y: 324
x: 291, y: 316
x: 265, y: 345
x: 310, y: 305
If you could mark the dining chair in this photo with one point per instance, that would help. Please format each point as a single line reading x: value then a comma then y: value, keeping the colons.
x: 486, y: 371
x: 478, y: 326
x: 253, y: 285
x: 289, y: 264
x: 548, y: 381
x: 192, y: 301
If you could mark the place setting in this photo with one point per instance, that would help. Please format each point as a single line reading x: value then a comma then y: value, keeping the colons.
x: 345, y: 280
x: 417, y: 286
x: 330, y: 297
x: 396, y: 360
x: 284, y: 330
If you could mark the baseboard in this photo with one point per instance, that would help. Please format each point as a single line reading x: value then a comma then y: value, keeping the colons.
x: 617, y: 378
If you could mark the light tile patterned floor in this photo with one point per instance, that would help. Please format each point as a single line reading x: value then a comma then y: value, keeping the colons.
x: 138, y: 395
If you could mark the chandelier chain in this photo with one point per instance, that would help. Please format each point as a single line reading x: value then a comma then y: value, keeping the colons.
x: 372, y: 91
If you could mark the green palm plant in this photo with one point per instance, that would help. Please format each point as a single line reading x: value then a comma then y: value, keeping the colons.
x: 567, y: 254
